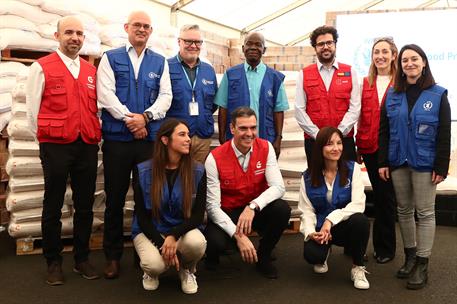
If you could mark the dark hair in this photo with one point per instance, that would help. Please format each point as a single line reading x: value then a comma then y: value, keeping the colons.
x: 160, y: 161
x: 322, y: 30
x: 373, y: 71
x: 317, y: 164
x: 241, y: 112
x: 425, y: 81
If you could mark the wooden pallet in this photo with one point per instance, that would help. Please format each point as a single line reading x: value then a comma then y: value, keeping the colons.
x: 30, y: 56
x: 29, y: 246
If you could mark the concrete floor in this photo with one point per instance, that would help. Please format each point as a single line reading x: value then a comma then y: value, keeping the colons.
x: 22, y: 279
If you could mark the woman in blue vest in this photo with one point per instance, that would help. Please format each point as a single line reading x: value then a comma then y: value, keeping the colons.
x: 414, y: 141
x: 374, y: 90
x: 332, y: 201
x: 170, y: 196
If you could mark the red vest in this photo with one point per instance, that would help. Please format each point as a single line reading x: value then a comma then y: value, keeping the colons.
x: 68, y: 106
x: 239, y: 188
x: 368, y: 125
x: 327, y: 108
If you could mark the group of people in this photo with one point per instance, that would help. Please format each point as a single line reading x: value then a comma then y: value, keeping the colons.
x: 157, y: 123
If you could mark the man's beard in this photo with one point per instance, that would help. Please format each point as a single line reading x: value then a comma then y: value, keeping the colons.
x: 326, y: 60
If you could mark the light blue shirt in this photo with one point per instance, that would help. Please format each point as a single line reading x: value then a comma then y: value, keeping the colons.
x: 254, y: 78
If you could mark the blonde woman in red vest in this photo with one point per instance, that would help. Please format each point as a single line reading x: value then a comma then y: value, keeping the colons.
x: 62, y: 112
x: 380, y: 78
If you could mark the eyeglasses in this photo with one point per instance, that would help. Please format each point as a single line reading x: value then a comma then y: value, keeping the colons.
x: 138, y: 25
x: 385, y: 38
x: 189, y: 42
x: 328, y: 43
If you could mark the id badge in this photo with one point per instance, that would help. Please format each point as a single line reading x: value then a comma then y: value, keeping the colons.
x: 193, y: 108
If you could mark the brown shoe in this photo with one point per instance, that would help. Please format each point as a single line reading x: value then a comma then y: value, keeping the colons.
x: 55, y: 275
x: 112, y: 269
x: 86, y: 270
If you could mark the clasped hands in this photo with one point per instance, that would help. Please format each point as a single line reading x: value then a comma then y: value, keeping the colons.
x: 136, y: 125
x: 243, y: 228
x: 324, y: 235
x: 169, y: 252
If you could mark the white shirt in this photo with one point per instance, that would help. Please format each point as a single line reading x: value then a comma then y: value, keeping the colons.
x: 106, y: 88
x: 382, y: 82
x: 35, y: 86
x: 357, y: 204
x: 273, y: 176
x: 349, y: 119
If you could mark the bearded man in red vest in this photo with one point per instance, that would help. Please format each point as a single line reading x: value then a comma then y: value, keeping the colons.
x: 327, y: 94
x: 244, y: 193
x: 62, y: 112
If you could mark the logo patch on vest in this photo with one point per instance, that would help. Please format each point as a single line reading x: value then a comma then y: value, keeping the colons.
x: 342, y: 74
x: 348, y: 185
x: 259, y: 170
x: 206, y: 82
x: 90, y: 79
x: 428, y: 105
x: 270, y: 93
x: 153, y: 75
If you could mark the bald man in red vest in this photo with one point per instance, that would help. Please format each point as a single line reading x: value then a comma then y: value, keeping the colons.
x: 62, y: 110
x: 244, y: 193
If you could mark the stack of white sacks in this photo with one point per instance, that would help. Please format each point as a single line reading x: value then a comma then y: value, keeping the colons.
x: 26, y: 183
x: 30, y: 24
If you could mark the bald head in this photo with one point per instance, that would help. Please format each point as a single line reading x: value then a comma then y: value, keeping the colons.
x: 70, y: 35
x: 138, y: 29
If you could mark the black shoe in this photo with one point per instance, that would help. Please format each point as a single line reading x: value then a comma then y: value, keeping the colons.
x: 419, y: 275
x: 55, y: 275
x: 267, y: 269
x: 410, y: 260
x: 86, y: 270
x: 383, y: 260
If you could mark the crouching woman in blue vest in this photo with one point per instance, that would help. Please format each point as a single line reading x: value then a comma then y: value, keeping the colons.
x: 414, y: 141
x: 170, y: 196
x: 332, y: 201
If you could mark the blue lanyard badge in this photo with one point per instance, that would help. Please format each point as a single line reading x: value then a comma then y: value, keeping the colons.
x: 193, y: 104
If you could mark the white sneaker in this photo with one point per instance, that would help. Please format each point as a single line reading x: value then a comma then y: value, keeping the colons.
x: 320, y: 268
x: 150, y: 283
x: 358, y: 277
x: 188, y: 281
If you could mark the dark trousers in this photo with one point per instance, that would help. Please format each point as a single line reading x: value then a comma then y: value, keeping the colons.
x: 385, y: 207
x: 79, y: 161
x: 348, y: 148
x: 119, y: 159
x: 352, y: 234
x: 268, y: 223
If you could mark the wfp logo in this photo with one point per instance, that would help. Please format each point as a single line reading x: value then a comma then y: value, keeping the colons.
x: 270, y: 93
x: 153, y: 75
x: 362, y: 56
x: 206, y: 82
x: 428, y: 105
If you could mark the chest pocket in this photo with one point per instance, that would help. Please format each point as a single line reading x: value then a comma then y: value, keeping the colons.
x: 57, y: 92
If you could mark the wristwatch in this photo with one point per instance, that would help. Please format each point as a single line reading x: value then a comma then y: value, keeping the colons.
x: 252, y: 206
x: 148, y: 115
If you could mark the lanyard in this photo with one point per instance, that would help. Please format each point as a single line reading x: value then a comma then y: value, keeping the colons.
x: 192, y: 86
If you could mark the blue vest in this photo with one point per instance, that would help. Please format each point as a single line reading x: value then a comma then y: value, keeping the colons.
x: 205, y: 90
x: 341, y: 196
x: 413, y: 136
x: 171, y: 213
x: 238, y: 95
x: 137, y: 96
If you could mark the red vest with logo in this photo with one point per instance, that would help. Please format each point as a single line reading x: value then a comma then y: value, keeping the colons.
x: 368, y: 125
x: 327, y: 108
x: 68, y: 106
x: 239, y: 188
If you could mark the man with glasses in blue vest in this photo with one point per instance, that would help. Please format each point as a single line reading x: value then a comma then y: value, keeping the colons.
x: 194, y: 86
x: 134, y: 90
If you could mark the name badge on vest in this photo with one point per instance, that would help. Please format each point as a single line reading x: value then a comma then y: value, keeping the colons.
x: 193, y: 108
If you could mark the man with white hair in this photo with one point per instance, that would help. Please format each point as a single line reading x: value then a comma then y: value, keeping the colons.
x: 257, y: 86
x: 62, y: 112
x: 194, y: 86
x: 135, y: 93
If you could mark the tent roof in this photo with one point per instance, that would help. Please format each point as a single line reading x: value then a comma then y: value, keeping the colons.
x: 289, y: 22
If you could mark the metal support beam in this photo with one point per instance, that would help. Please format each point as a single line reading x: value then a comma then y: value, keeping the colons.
x: 275, y: 15
x: 427, y: 3
x: 299, y: 39
x: 175, y: 8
